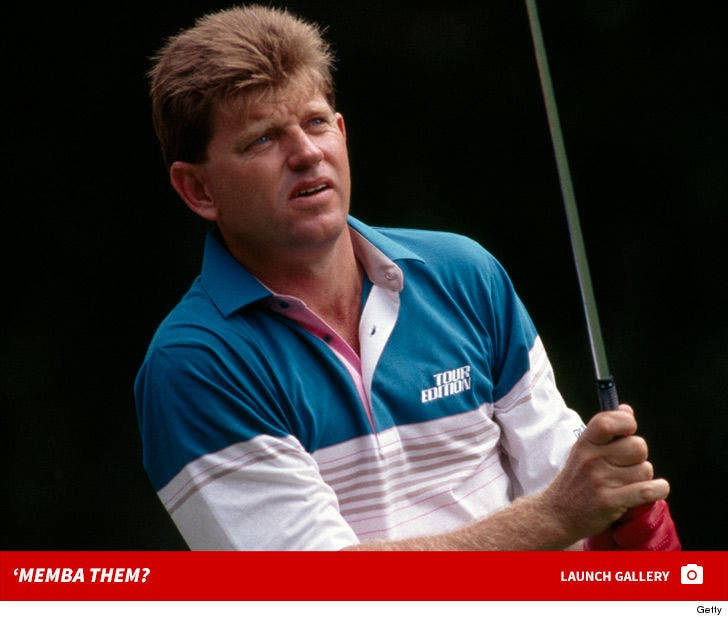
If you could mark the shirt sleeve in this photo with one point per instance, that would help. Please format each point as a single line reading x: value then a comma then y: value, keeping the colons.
x: 537, y: 428
x: 224, y: 463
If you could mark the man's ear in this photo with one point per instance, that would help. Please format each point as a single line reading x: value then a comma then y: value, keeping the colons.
x: 189, y: 182
x: 340, y: 123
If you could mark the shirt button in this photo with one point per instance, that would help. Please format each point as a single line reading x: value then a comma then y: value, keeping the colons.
x: 372, y: 331
x: 327, y: 338
x: 283, y: 304
x: 389, y: 275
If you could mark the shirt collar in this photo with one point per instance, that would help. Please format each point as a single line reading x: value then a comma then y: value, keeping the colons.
x: 390, y: 248
x: 232, y: 287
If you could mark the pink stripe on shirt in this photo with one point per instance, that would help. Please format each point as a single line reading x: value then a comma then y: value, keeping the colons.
x: 296, y: 309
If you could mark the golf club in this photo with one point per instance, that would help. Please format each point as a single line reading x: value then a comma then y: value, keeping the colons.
x: 606, y: 388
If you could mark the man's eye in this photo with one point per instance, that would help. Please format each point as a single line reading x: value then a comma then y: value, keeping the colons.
x: 256, y: 143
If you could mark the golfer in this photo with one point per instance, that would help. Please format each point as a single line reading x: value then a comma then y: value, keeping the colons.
x: 325, y: 384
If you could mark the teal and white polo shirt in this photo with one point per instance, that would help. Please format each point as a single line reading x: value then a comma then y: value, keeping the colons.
x: 262, y: 429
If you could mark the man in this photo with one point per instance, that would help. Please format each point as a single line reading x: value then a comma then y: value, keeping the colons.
x: 327, y: 385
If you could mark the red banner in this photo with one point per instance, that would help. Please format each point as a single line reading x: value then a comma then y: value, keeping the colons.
x: 353, y: 576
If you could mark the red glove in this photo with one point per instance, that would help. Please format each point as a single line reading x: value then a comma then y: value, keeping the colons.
x: 648, y: 527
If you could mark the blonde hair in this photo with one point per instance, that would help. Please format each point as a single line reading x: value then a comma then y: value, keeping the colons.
x: 238, y: 51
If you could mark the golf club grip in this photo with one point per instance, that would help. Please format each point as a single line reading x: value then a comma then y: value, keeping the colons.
x: 608, y: 399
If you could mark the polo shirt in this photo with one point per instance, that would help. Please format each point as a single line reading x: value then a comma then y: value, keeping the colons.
x: 262, y: 429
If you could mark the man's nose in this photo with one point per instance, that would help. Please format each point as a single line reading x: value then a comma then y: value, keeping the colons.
x: 303, y: 151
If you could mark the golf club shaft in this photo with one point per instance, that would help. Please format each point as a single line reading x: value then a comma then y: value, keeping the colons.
x: 606, y: 388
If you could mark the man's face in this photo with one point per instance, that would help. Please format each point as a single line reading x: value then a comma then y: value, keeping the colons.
x: 279, y: 177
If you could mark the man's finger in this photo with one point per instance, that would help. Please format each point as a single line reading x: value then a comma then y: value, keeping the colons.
x: 606, y: 426
x: 621, y: 476
x: 625, y: 451
x: 637, y: 494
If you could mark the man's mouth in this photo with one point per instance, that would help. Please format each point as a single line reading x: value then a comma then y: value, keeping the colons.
x: 309, y: 189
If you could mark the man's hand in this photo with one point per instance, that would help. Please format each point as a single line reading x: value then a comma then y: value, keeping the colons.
x: 606, y: 474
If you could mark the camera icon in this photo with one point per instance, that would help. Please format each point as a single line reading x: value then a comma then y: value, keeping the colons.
x: 691, y: 574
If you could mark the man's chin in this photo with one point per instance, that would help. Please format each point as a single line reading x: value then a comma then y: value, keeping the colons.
x: 317, y: 230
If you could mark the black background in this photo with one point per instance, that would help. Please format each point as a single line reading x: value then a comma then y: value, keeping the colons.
x: 446, y: 130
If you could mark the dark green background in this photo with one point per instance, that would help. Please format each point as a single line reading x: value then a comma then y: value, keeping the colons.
x: 446, y: 130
